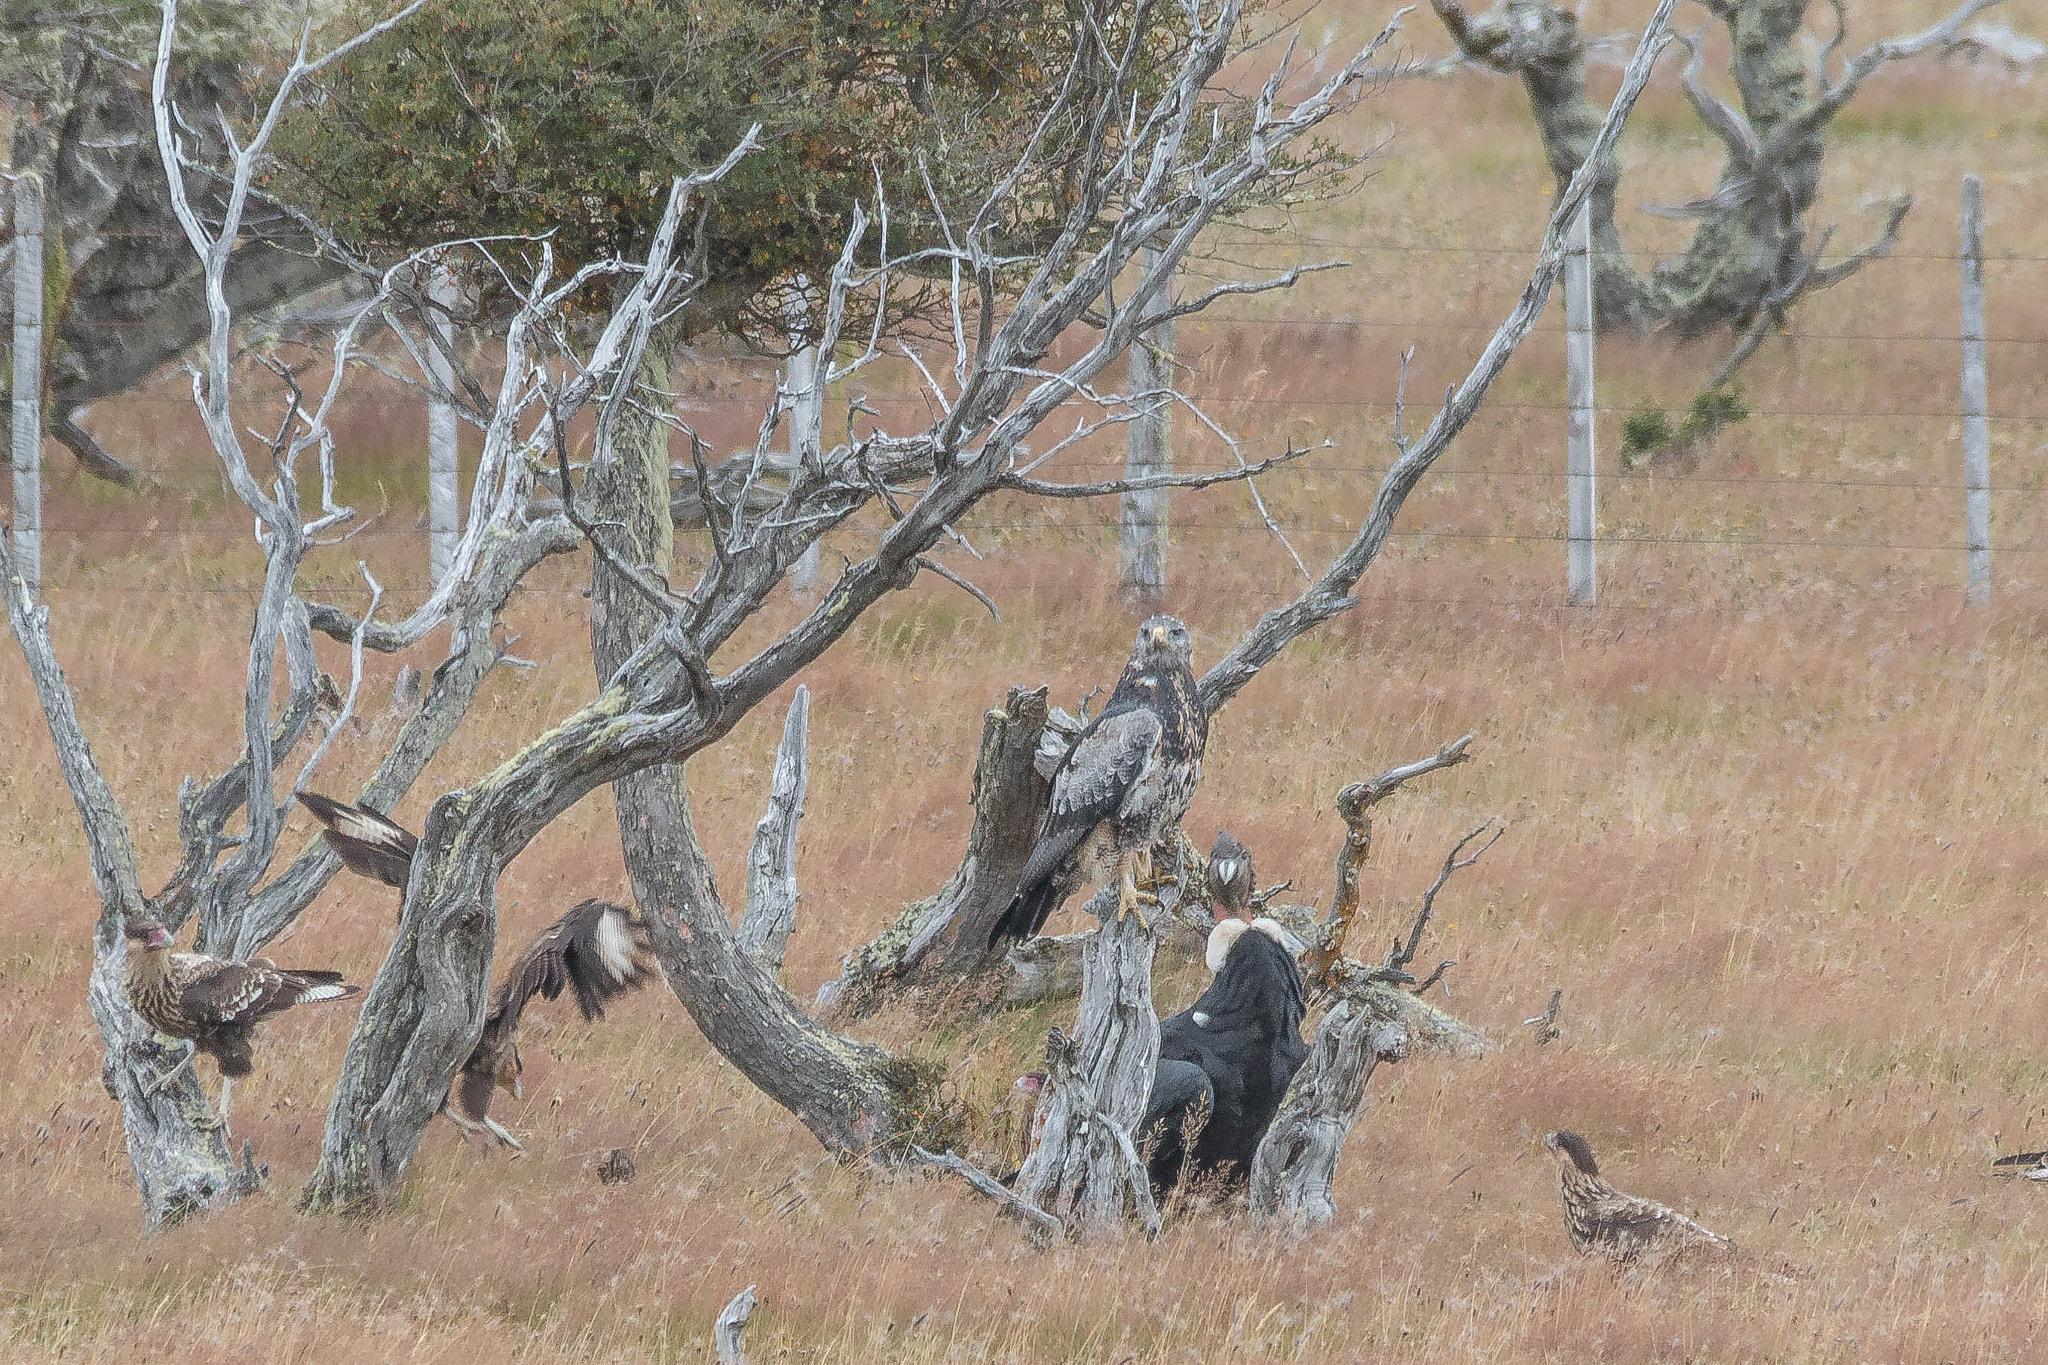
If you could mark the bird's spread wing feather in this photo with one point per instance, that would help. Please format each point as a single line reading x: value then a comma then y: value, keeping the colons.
x: 598, y: 950
x: 368, y: 843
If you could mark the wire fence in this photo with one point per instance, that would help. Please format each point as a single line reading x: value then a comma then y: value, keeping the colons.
x: 1896, y: 454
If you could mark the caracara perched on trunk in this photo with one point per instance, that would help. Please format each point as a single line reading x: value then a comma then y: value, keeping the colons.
x: 599, y: 951
x: 369, y: 845
x: 1602, y: 1221
x: 212, y: 1003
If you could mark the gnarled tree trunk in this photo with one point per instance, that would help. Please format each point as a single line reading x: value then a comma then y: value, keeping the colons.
x: 1754, y: 252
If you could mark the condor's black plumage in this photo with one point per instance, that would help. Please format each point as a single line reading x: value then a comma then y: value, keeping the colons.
x: 1125, y: 780
x: 1244, y: 1036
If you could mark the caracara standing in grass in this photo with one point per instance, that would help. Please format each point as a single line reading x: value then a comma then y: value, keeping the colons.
x: 599, y: 951
x: 1602, y: 1221
x: 369, y: 844
x: 212, y: 1003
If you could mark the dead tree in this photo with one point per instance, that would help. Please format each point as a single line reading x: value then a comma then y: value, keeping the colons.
x: 1756, y: 251
x: 181, y: 1159
x: 1148, y: 168
x: 1377, y: 1015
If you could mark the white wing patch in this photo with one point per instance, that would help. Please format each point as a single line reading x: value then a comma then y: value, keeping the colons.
x: 615, y: 948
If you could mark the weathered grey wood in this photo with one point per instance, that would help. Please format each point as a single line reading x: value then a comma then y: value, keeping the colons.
x: 1081, y: 1172
x: 444, y: 491
x: 805, y: 429
x: 1044, y: 1227
x: 1295, y: 1170
x: 179, y: 1158
x: 949, y: 929
x: 726, y: 1332
x: 1976, y: 400
x: 1581, y: 585
x: 771, y: 861
x: 26, y: 448
x: 1142, y: 513
x: 1755, y: 250
x: 661, y: 704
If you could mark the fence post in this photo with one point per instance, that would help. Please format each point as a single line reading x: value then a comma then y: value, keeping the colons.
x: 1581, y: 585
x: 804, y: 380
x: 1976, y: 424
x: 27, y: 431
x: 1141, y: 517
x: 444, y: 482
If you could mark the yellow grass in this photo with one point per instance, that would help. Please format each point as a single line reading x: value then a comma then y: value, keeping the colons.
x: 1776, y: 833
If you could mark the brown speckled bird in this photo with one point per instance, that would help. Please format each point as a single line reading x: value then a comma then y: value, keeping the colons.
x: 599, y: 951
x: 212, y: 1003
x: 1602, y: 1221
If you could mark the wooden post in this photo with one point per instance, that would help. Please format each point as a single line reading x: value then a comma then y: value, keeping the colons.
x: 444, y: 483
x: 1976, y: 423
x: 1581, y: 585
x: 1141, y: 538
x: 27, y: 434
x: 805, y: 382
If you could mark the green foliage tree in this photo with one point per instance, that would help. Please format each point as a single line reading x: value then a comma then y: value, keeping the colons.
x: 524, y: 116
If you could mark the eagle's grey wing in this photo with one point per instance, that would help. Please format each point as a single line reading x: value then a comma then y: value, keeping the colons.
x: 1092, y: 784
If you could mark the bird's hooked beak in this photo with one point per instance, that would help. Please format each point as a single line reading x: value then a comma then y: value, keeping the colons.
x: 158, y: 937
x: 1158, y: 636
x: 1224, y: 871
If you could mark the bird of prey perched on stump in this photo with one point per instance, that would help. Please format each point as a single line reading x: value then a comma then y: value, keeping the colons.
x: 213, y: 1003
x: 1126, y: 780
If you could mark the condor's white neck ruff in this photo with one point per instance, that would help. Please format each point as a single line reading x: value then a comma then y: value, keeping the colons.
x: 1226, y: 934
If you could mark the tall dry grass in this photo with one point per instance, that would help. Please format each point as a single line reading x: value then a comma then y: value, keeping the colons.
x: 1777, y: 816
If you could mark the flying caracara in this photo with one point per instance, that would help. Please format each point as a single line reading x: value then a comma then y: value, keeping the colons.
x: 1125, y: 781
x: 1602, y: 1221
x: 369, y: 844
x: 212, y: 1003
x: 599, y: 951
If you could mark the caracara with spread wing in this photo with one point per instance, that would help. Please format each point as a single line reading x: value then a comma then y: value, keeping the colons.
x: 1125, y: 781
x: 1602, y: 1221
x: 369, y: 844
x: 213, y: 1003
x: 599, y: 951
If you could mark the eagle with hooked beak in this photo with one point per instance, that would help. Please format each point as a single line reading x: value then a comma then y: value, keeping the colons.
x: 1125, y: 781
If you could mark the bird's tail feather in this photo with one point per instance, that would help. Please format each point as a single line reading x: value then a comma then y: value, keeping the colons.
x: 2012, y: 1165
x: 1029, y: 909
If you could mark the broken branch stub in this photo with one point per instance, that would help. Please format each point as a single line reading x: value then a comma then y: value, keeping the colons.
x: 771, y: 862
x: 1354, y: 807
x: 948, y: 931
x: 1083, y: 1171
x: 731, y: 1324
x: 1295, y: 1170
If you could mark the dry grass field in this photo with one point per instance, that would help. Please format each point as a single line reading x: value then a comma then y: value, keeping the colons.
x: 1776, y: 814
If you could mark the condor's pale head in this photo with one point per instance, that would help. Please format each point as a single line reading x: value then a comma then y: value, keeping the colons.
x: 1163, y: 641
